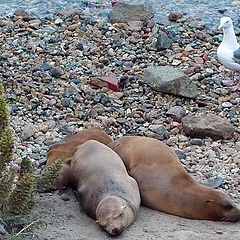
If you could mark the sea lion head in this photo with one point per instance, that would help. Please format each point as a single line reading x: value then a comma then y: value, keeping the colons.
x: 114, y: 215
x: 218, y: 206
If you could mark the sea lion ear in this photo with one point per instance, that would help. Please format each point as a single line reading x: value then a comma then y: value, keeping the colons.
x: 209, y: 201
x: 68, y: 162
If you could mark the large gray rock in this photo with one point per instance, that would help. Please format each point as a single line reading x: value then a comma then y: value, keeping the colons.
x: 207, y: 125
x: 69, y: 12
x: 125, y: 12
x: 170, y: 80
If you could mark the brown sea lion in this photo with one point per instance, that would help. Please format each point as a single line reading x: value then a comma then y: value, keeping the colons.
x: 104, y: 188
x: 166, y: 186
x: 64, y: 151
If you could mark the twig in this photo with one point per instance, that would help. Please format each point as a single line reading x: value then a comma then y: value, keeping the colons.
x: 26, y: 227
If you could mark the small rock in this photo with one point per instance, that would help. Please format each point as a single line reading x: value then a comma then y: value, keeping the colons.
x: 176, y: 113
x: 73, y: 27
x: 176, y: 62
x: 45, y: 67
x: 174, y: 16
x: 227, y: 105
x: 35, y: 23
x: 49, y: 30
x: 56, y: 72
x: 180, y: 154
x: 21, y: 12
x: 159, y: 129
x: 237, y: 146
x: 58, y: 21
x: 28, y: 131
x: 213, y: 182
x: 163, y: 41
x: 198, y: 60
x: 196, y: 141
x: 121, y: 121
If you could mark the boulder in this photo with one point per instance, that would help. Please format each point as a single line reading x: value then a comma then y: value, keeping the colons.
x: 69, y: 12
x: 130, y: 11
x: 170, y: 80
x: 207, y: 125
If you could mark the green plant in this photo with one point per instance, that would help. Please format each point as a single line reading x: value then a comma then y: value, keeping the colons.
x: 48, y: 176
x: 6, y: 186
x: 25, y: 166
x: 6, y: 141
x: 21, y: 199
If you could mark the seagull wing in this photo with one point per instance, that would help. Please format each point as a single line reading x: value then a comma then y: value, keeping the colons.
x: 236, y: 55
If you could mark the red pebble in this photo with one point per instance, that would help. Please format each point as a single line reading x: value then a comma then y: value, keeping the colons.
x: 112, y: 82
x: 205, y: 58
x: 201, y: 103
x: 190, y: 74
x: 145, y: 36
x: 29, y: 47
x: 113, y: 3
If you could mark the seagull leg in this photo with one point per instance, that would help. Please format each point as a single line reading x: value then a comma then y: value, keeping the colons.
x: 233, y: 75
x: 236, y: 86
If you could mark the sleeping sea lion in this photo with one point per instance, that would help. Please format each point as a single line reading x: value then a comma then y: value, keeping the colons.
x: 104, y: 188
x: 166, y: 186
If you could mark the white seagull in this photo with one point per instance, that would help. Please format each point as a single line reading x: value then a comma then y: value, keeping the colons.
x: 228, y: 51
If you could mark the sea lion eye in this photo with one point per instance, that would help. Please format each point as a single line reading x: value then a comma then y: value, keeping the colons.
x: 228, y: 206
x: 209, y: 201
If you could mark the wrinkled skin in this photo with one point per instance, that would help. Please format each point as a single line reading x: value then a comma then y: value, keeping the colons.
x: 166, y: 186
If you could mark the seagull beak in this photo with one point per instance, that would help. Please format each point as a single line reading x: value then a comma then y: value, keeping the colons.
x: 220, y: 27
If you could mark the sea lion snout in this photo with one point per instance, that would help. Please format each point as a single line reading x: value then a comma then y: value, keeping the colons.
x: 220, y: 207
x: 117, y: 231
x: 231, y: 213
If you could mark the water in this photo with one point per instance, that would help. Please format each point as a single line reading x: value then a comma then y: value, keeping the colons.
x: 206, y: 9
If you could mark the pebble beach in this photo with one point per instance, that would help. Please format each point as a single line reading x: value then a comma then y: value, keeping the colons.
x: 47, y: 64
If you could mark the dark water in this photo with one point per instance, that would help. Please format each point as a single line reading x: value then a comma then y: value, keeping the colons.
x: 206, y: 9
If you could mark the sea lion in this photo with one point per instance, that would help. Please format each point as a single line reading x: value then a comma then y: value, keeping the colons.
x: 104, y: 188
x: 166, y: 186
x: 64, y: 151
